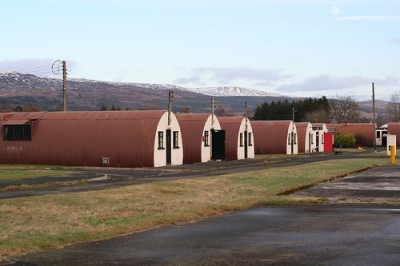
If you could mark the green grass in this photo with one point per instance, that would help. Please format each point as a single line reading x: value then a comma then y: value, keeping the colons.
x: 9, y: 173
x: 52, y: 221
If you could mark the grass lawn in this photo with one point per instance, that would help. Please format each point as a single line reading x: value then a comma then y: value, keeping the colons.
x: 43, y: 222
x: 18, y: 172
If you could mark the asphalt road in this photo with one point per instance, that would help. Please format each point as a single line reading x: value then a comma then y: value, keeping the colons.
x: 300, y: 235
x: 349, y: 234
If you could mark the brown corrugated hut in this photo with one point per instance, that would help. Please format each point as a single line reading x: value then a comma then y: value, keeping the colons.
x: 363, y: 132
x: 197, y: 142
x: 275, y: 137
x: 394, y: 129
x: 319, y: 131
x: 305, y: 137
x: 239, y: 137
x: 83, y: 138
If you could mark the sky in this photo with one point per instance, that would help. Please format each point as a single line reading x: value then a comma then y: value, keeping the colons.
x: 307, y: 48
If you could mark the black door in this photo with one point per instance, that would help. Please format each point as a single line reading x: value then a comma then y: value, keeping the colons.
x: 317, y: 141
x: 292, y: 145
x: 218, y: 144
x: 168, y: 148
x: 384, y: 138
x: 245, y: 144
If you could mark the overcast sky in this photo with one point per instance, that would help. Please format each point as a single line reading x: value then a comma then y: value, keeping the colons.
x: 293, y: 47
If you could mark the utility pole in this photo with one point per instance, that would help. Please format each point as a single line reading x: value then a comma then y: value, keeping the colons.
x: 64, y: 74
x: 373, y: 114
x: 245, y: 112
x: 64, y: 66
x: 212, y: 111
x: 170, y: 96
x: 293, y: 114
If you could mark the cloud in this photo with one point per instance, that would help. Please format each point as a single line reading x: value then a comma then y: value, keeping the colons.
x: 39, y: 67
x: 396, y: 40
x: 185, y: 81
x: 326, y: 82
x: 227, y: 75
x: 335, y: 10
x: 369, y: 18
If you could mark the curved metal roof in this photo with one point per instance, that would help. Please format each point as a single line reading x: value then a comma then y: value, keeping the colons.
x: 270, y: 137
x: 84, y: 137
x: 363, y: 132
x: 232, y: 125
x: 303, y: 130
x: 192, y: 128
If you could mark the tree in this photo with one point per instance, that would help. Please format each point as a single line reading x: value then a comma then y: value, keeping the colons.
x: 283, y: 110
x: 344, y: 140
x: 185, y: 110
x: 345, y: 108
x: 393, y: 107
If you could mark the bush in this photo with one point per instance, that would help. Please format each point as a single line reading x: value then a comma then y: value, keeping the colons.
x: 344, y: 140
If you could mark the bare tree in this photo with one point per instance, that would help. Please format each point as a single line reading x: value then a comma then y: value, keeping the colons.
x: 318, y: 116
x: 345, y: 108
x: 393, y: 107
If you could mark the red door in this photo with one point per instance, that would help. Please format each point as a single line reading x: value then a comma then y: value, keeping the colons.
x: 328, y: 142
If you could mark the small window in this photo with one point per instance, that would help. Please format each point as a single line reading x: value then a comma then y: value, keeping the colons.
x: 241, y: 140
x: 322, y: 137
x: 176, y: 139
x: 378, y: 134
x: 288, y: 139
x: 295, y: 138
x: 160, y: 140
x: 18, y: 132
x: 312, y: 138
x: 249, y: 140
x: 206, y: 138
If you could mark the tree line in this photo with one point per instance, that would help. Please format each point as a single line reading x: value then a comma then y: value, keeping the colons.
x: 337, y: 110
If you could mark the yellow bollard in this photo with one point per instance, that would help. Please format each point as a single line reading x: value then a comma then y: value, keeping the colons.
x: 392, y: 155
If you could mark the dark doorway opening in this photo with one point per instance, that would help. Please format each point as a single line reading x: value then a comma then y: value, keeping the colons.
x: 168, y: 144
x: 218, y: 144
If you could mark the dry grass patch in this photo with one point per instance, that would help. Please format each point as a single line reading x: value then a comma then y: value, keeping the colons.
x: 36, y: 223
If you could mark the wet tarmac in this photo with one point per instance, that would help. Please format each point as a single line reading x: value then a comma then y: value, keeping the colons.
x: 349, y: 234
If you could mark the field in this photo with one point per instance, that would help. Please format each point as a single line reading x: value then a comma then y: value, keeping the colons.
x: 37, y: 223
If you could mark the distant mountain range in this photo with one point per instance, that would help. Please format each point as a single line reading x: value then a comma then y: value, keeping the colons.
x: 46, y: 93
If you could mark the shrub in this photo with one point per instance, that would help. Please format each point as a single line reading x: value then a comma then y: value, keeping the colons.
x: 344, y: 140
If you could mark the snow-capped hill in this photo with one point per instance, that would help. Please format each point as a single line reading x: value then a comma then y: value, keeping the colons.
x: 233, y: 91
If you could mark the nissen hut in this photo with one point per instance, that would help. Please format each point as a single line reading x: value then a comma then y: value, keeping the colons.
x: 198, y: 137
x: 305, y: 137
x: 239, y: 137
x: 320, y: 130
x: 84, y: 138
x: 275, y: 137
x: 363, y: 132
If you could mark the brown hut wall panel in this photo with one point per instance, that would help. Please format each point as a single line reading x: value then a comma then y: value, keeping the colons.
x: 192, y: 127
x: 302, y: 135
x: 363, y: 132
x: 394, y: 129
x: 233, y: 127
x: 270, y: 137
x: 83, y: 138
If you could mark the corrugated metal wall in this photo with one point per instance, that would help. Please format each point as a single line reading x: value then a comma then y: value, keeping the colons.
x: 270, y: 137
x: 394, y: 129
x: 363, y: 132
x: 84, y: 138
x: 233, y: 126
x: 303, y: 131
x: 193, y: 127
